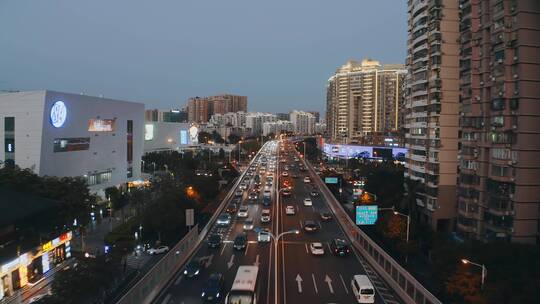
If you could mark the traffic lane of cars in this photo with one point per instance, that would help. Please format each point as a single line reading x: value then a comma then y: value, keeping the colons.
x: 327, y: 277
x: 223, y: 259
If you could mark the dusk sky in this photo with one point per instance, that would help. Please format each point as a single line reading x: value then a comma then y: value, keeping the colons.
x: 279, y: 53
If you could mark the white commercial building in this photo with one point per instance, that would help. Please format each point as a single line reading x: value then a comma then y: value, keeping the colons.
x: 255, y: 121
x: 166, y: 136
x: 304, y: 122
x: 62, y: 134
x: 277, y: 127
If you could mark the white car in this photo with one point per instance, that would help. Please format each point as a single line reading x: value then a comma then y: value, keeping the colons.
x: 242, y: 186
x: 243, y: 212
x: 265, y: 216
x: 159, y: 250
x: 248, y: 224
x: 285, y: 174
x: 307, y: 179
x: 316, y: 248
x: 289, y: 210
x: 308, y: 202
x: 263, y: 236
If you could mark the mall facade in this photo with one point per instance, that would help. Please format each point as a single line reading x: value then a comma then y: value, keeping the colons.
x: 62, y: 134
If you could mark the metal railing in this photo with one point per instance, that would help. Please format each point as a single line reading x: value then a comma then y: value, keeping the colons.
x: 397, y: 277
x: 160, y: 275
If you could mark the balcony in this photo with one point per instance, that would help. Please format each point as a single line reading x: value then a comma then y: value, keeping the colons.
x: 465, y: 228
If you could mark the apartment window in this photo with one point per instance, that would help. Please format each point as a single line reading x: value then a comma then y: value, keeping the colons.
x: 499, y: 23
x: 502, y: 137
x: 499, y: 55
x: 499, y: 170
x: 504, y: 154
x: 71, y: 144
x: 497, y: 104
x: 468, y: 164
x: 497, y: 121
x: 514, y: 103
x: 99, y: 178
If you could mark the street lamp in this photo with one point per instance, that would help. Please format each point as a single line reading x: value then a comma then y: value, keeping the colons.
x: 239, y: 149
x: 276, y: 241
x: 408, y: 222
x: 482, y: 266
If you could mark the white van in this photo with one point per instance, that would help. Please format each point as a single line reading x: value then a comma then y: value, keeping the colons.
x: 363, y: 289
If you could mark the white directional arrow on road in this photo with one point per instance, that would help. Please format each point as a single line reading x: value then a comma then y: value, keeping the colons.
x: 230, y: 262
x: 328, y: 280
x: 209, y: 261
x: 299, y: 282
x: 257, y: 261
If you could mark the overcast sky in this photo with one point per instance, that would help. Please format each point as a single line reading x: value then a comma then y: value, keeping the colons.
x: 279, y: 53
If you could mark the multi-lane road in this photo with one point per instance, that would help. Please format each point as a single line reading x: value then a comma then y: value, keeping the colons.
x: 301, y: 276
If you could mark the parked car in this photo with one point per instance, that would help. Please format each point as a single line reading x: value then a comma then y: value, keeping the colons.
x: 240, y: 241
x: 263, y: 236
x: 316, y: 248
x: 310, y: 226
x: 214, y: 240
x: 289, y: 210
x: 265, y: 216
x: 340, y: 247
x: 326, y: 216
x: 243, y: 211
x: 193, y: 268
x: 232, y: 208
x: 213, y: 288
x: 158, y: 250
x: 224, y: 220
x: 248, y: 224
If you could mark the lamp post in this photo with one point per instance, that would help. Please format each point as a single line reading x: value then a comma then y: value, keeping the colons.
x: 408, y: 221
x: 142, y: 169
x: 239, y: 149
x: 482, y: 266
x: 276, y: 242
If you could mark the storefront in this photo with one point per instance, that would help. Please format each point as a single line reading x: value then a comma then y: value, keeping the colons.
x: 30, y: 267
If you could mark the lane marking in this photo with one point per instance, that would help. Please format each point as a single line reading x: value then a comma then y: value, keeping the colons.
x: 329, y: 249
x: 328, y: 280
x: 299, y: 280
x: 223, y: 249
x: 167, y: 298
x: 314, y: 283
x: 344, y: 285
x: 307, y: 251
x: 178, y: 280
x: 247, y: 248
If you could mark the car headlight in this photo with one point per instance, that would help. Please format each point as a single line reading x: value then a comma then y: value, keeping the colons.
x: 202, y: 295
x: 197, y: 272
x: 217, y: 295
x: 185, y: 271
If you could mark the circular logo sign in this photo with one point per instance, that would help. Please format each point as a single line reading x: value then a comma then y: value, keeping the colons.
x: 58, y: 114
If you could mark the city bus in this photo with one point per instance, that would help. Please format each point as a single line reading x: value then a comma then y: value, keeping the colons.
x: 244, y: 288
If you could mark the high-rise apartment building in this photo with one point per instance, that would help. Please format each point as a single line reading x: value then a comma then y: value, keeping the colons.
x: 317, y: 115
x: 199, y: 109
x: 499, y: 156
x: 303, y: 122
x: 255, y: 121
x: 277, y: 127
x: 431, y: 104
x: 228, y: 103
x: 174, y: 115
x: 282, y: 116
x: 363, y: 98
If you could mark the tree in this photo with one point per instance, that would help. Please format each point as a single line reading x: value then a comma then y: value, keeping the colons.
x: 233, y: 139
x: 464, y: 287
x: 204, y: 137
x: 217, y: 138
x: 87, y: 280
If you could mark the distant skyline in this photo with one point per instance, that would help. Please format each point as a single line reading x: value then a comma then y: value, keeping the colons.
x: 278, y: 53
